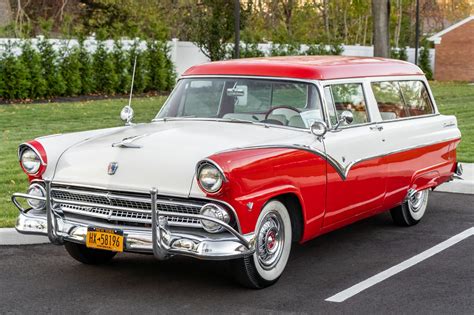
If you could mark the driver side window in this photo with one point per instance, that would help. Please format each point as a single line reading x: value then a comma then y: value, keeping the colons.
x: 347, y: 97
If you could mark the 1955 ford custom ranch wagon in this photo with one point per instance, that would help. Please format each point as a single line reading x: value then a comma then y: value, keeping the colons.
x: 245, y: 157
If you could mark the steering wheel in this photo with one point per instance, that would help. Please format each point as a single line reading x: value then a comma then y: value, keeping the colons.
x: 281, y: 107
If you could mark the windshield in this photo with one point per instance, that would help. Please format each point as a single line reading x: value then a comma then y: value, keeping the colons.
x: 287, y: 103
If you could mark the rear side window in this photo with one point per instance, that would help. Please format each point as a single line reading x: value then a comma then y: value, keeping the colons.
x: 416, y: 98
x: 349, y: 96
x: 400, y: 99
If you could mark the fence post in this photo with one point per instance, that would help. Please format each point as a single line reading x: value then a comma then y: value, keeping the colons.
x: 174, y: 51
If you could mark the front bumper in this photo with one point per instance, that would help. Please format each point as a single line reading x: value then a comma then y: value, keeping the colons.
x: 160, y: 239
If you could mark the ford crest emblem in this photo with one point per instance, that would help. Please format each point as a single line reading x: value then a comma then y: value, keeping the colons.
x: 113, y: 166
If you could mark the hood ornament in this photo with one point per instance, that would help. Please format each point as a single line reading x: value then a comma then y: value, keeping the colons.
x: 128, y: 142
x: 113, y: 166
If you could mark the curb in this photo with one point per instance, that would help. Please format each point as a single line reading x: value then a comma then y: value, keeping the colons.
x: 9, y: 236
x: 461, y: 186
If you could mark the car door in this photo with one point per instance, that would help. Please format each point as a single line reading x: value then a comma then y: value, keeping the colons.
x: 356, y: 172
x: 418, y: 141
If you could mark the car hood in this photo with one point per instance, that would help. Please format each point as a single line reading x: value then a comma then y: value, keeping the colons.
x: 165, y: 155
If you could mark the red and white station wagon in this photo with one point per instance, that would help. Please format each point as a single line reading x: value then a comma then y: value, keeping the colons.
x: 245, y: 157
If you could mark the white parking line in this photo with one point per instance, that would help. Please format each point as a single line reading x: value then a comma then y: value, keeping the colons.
x: 361, y: 286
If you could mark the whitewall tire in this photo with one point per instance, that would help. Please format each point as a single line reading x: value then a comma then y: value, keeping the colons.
x: 273, y: 238
x: 412, y: 210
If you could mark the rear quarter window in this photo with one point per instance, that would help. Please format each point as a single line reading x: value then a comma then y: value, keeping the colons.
x: 401, y: 99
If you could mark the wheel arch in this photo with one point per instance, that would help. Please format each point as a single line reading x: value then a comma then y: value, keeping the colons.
x: 295, y: 210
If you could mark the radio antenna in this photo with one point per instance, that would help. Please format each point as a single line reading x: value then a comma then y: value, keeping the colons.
x: 127, y: 112
x: 133, y: 80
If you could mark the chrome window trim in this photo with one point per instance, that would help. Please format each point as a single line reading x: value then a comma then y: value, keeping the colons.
x: 265, y: 125
x: 316, y: 83
x: 362, y: 83
x: 404, y: 79
x: 342, y: 170
x: 409, y: 118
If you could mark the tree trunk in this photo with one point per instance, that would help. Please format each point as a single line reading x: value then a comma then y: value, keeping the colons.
x: 5, y: 13
x: 399, y: 23
x: 381, y: 18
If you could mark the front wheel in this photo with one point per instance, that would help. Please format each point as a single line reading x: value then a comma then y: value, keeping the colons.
x: 88, y: 256
x: 273, y: 244
x: 412, y: 210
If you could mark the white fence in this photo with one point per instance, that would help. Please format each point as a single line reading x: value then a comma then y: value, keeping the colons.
x: 186, y: 54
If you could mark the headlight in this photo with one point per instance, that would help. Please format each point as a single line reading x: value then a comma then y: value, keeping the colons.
x: 210, y: 178
x: 216, y: 212
x: 30, y: 161
x: 36, y: 190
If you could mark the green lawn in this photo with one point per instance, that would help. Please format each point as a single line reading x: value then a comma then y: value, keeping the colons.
x: 458, y: 99
x: 20, y: 123
x: 24, y: 122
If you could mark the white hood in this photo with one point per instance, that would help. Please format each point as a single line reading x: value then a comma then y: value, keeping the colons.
x: 167, y: 157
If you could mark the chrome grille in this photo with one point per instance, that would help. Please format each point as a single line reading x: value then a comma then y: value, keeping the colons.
x: 128, y: 208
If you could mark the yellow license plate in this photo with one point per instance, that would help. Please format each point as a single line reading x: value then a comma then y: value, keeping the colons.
x: 107, y: 239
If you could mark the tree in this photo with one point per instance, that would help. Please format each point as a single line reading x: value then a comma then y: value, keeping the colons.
x: 122, y: 68
x: 14, y: 82
x: 424, y: 61
x: 105, y: 78
x: 71, y: 71
x: 86, y: 70
x: 381, y: 18
x: 5, y: 13
x: 140, y: 82
x: 211, y: 26
x: 32, y: 60
x: 49, y: 62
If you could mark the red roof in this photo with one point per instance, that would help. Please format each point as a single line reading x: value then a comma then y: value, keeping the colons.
x: 308, y: 67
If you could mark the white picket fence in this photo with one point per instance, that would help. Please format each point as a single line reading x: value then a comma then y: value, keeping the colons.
x: 187, y: 54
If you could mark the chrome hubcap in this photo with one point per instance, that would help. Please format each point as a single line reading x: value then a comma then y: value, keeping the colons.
x: 270, y: 240
x: 416, y: 200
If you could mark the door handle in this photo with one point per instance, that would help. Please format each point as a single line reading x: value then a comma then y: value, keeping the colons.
x: 376, y: 127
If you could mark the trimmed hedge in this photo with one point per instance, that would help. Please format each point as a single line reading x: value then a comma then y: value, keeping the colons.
x: 29, y: 72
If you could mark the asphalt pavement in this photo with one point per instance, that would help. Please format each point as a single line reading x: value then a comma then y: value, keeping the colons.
x: 44, y: 279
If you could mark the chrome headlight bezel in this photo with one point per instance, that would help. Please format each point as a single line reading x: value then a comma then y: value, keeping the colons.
x: 210, y: 177
x: 30, y: 160
x: 38, y: 190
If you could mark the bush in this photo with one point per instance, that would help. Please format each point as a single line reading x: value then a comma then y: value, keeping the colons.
x: 122, y: 68
x: 285, y: 50
x: 247, y: 50
x: 14, y: 82
x: 71, y: 71
x: 86, y: 70
x: 424, y: 61
x: 27, y: 72
x: 49, y: 61
x: 156, y: 66
x: 399, y: 53
x: 323, y: 49
x: 105, y: 78
x: 32, y: 61
x: 141, y: 74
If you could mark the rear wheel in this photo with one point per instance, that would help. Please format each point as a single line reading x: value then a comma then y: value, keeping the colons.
x: 88, y: 256
x: 412, y: 210
x: 273, y: 245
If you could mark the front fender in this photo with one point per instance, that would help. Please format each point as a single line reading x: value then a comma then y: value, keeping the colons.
x: 258, y: 175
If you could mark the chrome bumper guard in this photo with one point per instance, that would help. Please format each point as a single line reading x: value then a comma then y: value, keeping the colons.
x: 458, y: 171
x: 160, y: 240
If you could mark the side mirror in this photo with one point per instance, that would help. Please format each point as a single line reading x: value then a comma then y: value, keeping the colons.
x: 346, y: 117
x: 127, y: 114
x: 319, y: 128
